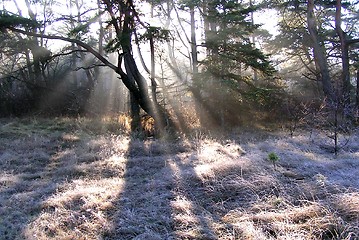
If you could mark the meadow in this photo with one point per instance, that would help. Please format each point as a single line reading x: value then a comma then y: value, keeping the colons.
x: 79, y: 178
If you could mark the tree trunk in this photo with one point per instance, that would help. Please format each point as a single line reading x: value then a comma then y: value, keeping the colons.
x: 153, y: 70
x: 100, y: 39
x: 345, y: 54
x: 33, y: 47
x: 148, y: 105
x: 224, y: 69
x: 135, y: 113
x: 205, y: 23
x: 255, y: 73
x: 319, y: 53
x: 171, y: 47
x: 212, y: 35
x: 158, y: 114
x: 193, y: 41
x: 133, y: 79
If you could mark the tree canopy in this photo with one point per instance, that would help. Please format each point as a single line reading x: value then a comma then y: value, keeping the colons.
x: 210, y: 51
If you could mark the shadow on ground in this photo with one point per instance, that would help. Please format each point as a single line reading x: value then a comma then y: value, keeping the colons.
x: 73, y: 185
x: 157, y: 195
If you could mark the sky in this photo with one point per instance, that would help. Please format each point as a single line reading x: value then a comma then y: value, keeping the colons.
x: 267, y: 18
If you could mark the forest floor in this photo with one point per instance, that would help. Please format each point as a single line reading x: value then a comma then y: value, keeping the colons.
x: 82, y: 179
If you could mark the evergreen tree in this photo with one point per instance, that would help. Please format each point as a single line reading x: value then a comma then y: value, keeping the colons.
x: 308, y: 34
x: 225, y: 74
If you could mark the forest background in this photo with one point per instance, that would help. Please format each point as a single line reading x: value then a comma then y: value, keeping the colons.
x: 162, y: 59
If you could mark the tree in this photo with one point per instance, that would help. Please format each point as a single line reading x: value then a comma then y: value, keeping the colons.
x: 124, y: 19
x: 319, y: 52
x: 223, y: 74
x: 230, y: 52
x: 345, y: 42
x: 307, y: 32
x: 216, y: 78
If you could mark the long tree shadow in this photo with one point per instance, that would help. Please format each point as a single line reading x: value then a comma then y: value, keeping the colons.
x: 142, y: 210
x: 156, y: 201
x: 36, y: 163
x: 28, y: 163
x: 64, y: 185
x: 56, y: 187
x: 175, y: 191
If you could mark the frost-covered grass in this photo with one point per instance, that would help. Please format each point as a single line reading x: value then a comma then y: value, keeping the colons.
x: 75, y: 179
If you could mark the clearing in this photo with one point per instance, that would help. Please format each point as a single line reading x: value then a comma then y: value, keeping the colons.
x: 85, y: 179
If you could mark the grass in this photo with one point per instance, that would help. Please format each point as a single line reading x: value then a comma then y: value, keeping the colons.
x: 89, y: 179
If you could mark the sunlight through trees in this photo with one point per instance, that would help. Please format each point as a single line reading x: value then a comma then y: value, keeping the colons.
x: 167, y: 57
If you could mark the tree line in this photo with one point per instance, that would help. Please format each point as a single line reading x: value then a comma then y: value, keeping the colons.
x: 207, y: 52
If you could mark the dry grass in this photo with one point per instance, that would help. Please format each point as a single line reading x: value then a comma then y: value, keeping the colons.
x: 85, y: 179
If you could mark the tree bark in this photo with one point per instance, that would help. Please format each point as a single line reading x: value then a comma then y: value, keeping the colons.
x: 135, y: 113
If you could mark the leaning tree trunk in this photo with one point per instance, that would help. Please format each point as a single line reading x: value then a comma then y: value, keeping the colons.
x: 132, y: 79
x: 142, y: 97
x: 319, y: 53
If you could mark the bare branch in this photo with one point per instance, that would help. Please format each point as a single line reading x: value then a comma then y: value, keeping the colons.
x: 352, y: 41
x: 78, y: 42
x: 90, y: 67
